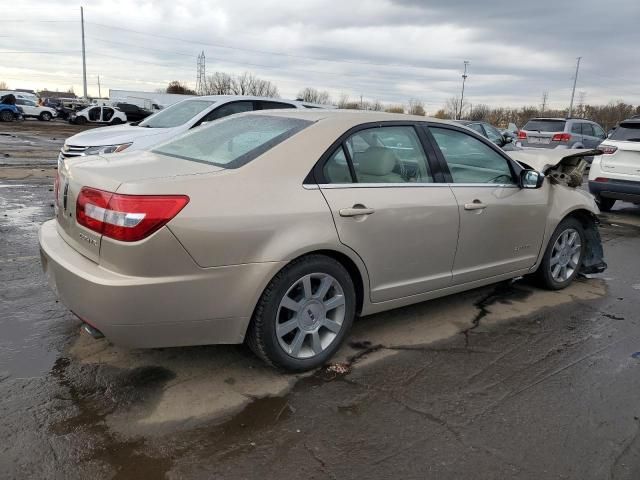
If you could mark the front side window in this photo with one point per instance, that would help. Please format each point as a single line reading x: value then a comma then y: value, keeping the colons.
x: 177, y: 114
x: 229, y: 109
x: 234, y: 141
x: 599, y: 132
x: 388, y: 155
x: 476, y: 127
x: 493, y: 134
x: 470, y: 160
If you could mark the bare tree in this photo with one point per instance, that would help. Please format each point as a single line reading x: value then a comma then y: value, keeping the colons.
x: 313, y: 95
x: 221, y: 83
x: 180, y: 88
x: 416, y: 107
x: 442, y: 114
x: 479, y: 112
x: 453, y: 109
x: 394, y: 109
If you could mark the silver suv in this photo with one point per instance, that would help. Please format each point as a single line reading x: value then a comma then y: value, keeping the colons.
x: 561, y: 133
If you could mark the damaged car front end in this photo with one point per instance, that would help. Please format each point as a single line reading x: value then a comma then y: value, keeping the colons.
x: 565, y: 170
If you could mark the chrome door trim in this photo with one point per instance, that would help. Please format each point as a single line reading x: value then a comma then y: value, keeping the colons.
x: 404, y: 185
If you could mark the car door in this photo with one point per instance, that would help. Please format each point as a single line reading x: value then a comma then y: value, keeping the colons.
x: 576, y: 133
x: 28, y: 107
x: 107, y: 114
x: 589, y: 139
x: 599, y: 133
x: 501, y: 225
x: 379, y: 184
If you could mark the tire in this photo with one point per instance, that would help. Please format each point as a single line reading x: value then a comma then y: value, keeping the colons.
x: 80, y: 121
x: 6, y: 116
x: 558, y: 256
x: 309, y: 333
x: 45, y: 116
x: 116, y: 121
x: 605, y: 204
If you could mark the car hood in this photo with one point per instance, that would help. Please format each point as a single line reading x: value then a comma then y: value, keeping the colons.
x: 544, y: 160
x: 113, y: 135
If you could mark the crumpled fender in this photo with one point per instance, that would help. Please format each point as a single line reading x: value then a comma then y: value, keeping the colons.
x: 544, y: 160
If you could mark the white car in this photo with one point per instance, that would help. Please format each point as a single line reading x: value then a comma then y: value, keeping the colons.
x: 167, y: 124
x: 98, y: 114
x: 31, y: 109
x: 615, y: 175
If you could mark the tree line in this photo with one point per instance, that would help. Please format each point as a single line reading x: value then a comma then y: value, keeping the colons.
x: 221, y: 83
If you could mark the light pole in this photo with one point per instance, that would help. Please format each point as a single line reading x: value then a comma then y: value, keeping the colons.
x: 84, y: 62
x: 573, y: 91
x: 464, y: 79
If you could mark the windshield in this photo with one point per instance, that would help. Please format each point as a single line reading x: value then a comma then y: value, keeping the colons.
x: 544, y: 125
x: 627, y: 132
x: 177, y: 114
x: 233, y: 141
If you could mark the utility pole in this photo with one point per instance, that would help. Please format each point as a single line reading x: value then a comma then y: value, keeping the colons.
x: 99, y: 91
x: 545, y: 97
x: 84, y: 61
x: 464, y: 79
x: 573, y: 91
x: 201, y: 74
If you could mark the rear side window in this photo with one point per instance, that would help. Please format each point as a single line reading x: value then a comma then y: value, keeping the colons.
x: 234, y: 141
x: 627, y: 132
x: 587, y: 129
x: 545, y: 125
x: 273, y: 105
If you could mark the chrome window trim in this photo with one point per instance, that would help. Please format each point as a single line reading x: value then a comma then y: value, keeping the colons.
x: 328, y: 186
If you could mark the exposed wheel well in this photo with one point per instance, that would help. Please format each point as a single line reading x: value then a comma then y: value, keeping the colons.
x: 585, y: 217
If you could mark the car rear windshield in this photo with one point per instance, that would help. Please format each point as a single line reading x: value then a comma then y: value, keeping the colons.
x: 177, y: 114
x: 233, y: 141
x: 544, y: 125
x: 627, y: 132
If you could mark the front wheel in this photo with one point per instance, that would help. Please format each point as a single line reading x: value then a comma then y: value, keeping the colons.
x: 563, y: 258
x: 45, y: 116
x: 605, y: 204
x: 304, y: 314
x: 6, y: 116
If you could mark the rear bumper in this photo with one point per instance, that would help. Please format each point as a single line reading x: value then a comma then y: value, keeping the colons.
x: 212, y: 305
x: 625, y: 190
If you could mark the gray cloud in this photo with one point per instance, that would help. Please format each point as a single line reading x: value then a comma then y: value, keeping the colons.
x: 381, y: 49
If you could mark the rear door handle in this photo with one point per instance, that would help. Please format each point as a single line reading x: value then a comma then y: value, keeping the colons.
x: 476, y: 205
x: 355, y: 211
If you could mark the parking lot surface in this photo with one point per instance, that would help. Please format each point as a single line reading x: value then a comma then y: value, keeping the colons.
x: 506, y: 381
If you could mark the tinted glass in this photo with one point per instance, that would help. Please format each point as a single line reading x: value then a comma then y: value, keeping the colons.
x: 545, y: 125
x: 470, y: 160
x: 575, y: 128
x: 493, y: 134
x: 274, y: 105
x: 233, y: 142
x: 598, y: 131
x: 587, y: 129
x: 388, y: 155
x: 627, y: 132
x: 230, y: 109
x: 176, y: 114
x: 476, y: 127
x: 336, y: 170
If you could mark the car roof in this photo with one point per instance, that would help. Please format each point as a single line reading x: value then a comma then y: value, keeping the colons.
x: 631, y: 120
x: 241, y: 97
x: 354, y: 117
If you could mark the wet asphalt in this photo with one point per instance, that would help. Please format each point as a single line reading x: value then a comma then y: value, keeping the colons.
x: 536, y: 390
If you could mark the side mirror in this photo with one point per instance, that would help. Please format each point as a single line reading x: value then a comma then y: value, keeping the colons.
x: 531, y: 179
x: 507, y: 139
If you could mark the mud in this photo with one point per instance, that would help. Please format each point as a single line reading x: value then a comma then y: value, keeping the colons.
x: 507, y: 381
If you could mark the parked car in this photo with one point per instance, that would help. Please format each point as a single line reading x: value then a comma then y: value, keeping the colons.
x: 133, y: 112
x: 492, y: 133
x: 9, y: 111
x: 31, y: 109
x: 616, y: 174
x: 561, y: 133
x: 98, y: 114
x: 272, y: 227
x: 166, y: 124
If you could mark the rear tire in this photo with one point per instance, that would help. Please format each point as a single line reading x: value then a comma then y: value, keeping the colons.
x: 6, y: 116
x: 304, y: 314
x: 562, y: 259
x: 116, y: 121
x: 45, y: 116
x: 605, y: 204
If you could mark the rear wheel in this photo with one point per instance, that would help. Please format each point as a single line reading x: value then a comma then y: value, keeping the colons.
x: 605, y: 204
x: 563, y: 258
x: 6, y: 116
x: 46, y: 116
x: 116, y: 121
x: 304, y: 314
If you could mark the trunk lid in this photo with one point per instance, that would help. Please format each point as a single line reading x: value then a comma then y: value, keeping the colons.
x: 625, y: 161
x: 108, y: 173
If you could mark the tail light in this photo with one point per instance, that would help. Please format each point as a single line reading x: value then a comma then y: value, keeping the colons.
x: 601, y: 180
x: 522, y: 135
x: 127, y: 218
x: 607, y: 149
x: 561, y: 137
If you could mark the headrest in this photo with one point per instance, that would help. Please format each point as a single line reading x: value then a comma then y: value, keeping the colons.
x: 376, y: 161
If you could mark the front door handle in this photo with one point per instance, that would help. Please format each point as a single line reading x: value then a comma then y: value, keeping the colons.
x: 476, y: 205
x: 355, y: 211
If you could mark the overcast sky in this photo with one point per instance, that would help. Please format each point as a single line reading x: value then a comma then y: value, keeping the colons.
x: 389, y: 50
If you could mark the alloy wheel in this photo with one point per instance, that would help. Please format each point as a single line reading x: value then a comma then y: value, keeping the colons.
x: 565, y: 255
x: 310, y: 315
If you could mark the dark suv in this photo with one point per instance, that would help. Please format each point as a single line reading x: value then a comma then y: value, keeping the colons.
x: 561, y: 133
x: 133, y: 112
